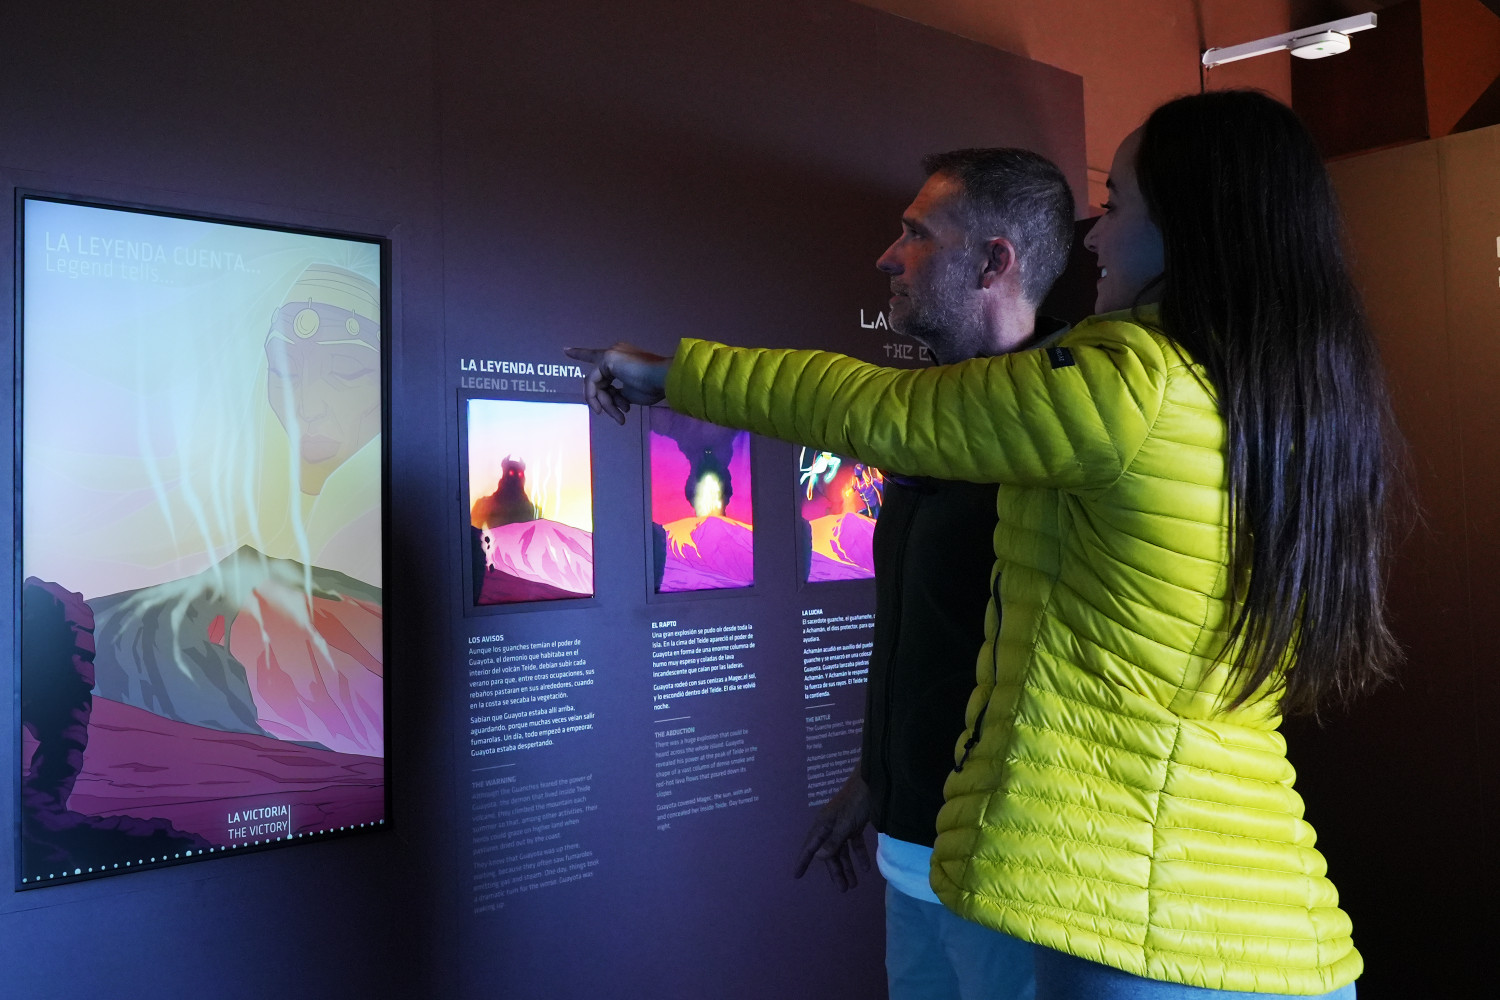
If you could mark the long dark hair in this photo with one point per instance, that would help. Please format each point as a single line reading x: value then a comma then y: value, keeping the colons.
x: 1256, y: 290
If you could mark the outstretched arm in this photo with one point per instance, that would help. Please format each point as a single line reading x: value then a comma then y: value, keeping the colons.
x: 837, y: 836
x: 1071, y: 418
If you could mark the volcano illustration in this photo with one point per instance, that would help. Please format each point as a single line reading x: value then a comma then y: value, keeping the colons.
x: 842, y: 548
x: 707, y: 553
x: 251, y: 645
x: 117, y: 776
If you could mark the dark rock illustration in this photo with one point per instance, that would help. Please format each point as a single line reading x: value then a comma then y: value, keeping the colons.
x: 57, y: 677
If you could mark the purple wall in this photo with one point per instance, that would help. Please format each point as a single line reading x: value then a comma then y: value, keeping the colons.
x: 548, y: 174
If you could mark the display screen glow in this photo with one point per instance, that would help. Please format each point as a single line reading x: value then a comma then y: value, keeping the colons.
x: 201, y: 537
x: 531, y: 514
x: 838, y: 502
x: 702, y: 518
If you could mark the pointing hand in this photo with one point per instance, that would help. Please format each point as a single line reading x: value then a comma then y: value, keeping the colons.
x: 623, y: 374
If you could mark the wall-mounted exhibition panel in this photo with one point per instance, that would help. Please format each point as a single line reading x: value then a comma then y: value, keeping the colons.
x: 312, y: 119
x: 201, y: 490
x: 620, y: 687
x: 659, y: 748
x: 837, y: 506
x: 702, y: 511
x: 531, y: 508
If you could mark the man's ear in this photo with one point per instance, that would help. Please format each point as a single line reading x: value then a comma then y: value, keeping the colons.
x: 999, y: 261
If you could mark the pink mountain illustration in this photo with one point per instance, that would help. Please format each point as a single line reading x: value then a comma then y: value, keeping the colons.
x: 842, y: 548
x: 545, y: 552
x: 708, y: 553
x: 140, y: 764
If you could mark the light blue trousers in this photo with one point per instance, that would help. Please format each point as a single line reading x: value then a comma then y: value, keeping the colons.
x: 1063, y: 977
x: 931, y: 954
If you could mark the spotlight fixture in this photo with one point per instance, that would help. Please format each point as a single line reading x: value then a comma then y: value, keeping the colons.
x: 1309, y: 43
x: 1324, y: 43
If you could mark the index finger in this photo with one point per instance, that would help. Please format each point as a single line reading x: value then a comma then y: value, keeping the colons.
x: 588, y: 355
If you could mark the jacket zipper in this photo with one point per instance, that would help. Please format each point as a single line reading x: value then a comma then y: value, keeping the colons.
x: 973, y: 739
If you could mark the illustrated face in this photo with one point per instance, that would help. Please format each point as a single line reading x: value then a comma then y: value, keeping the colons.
x: 1127, y: 242
x: 935, y: 274
x: 323, y: 383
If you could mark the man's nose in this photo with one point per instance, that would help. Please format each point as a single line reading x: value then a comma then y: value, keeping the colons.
x: 887, y: 261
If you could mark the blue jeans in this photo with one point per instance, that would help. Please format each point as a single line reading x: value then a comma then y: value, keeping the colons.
x: 931, y: 954
x: 1064, y: 977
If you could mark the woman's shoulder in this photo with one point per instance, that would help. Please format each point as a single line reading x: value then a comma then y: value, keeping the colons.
x: 1136, y: 330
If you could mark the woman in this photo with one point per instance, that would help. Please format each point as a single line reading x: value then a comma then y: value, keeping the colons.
x: 1191, y: 494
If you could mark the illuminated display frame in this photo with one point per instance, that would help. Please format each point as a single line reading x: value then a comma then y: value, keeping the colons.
x: 475, y: 562
x: 751, y: 497
x: 806, y: 547
x: 75, y: 819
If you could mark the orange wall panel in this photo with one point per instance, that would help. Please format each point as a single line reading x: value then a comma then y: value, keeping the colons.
x: 1132, y: 57
x: 1404, y: 791
x: 1461, y: 58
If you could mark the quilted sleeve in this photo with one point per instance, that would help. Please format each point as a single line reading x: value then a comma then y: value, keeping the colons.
x: 1071, y: 417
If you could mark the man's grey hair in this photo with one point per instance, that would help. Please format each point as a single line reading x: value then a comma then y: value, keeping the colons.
x: 1021, y: 196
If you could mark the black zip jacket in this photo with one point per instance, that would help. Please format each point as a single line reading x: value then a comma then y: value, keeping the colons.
x: 933, y: 552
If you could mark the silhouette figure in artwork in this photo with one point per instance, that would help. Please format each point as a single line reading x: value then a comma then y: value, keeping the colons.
x: 709, y: 450
x: 323, y: 369
x: 509, y: 504
x: 841, y: 500
x: 479, y: 558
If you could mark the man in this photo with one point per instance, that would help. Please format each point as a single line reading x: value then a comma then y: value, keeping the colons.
x: 981, y: 244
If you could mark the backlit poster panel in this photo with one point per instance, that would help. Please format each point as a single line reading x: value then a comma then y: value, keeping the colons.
x: 202, y: 661
x: 838, y: 501
x: 531, y: 513
x: 702, y: 518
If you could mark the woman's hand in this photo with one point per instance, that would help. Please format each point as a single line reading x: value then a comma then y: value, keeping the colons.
x: 623, y: 374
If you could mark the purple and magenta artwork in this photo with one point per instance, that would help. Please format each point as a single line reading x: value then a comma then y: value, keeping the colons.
x: 202, y: 634
x: 838, y: 503
x: 702, y: 518
x: 113, y: 786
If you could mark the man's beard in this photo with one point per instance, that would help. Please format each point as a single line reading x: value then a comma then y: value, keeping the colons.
x: 944, y: 318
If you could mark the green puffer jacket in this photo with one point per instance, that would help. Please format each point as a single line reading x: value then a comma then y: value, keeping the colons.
x: 1104, y: 804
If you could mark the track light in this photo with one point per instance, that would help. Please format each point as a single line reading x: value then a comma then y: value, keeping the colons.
x: 1309, y: 43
